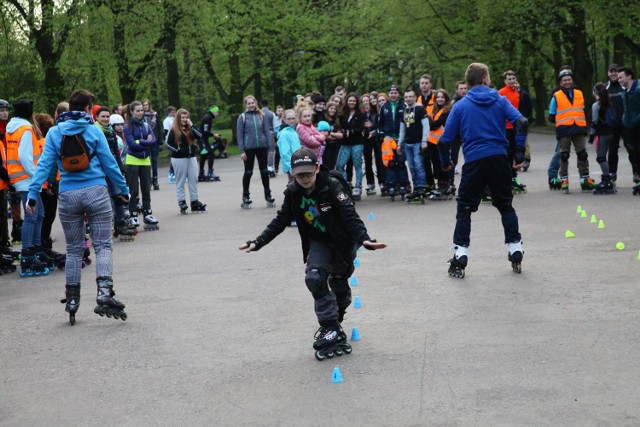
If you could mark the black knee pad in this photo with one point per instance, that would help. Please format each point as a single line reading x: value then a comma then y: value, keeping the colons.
x: 601, y: 159
x: 248, y: 174
x: 564, y: 155
x: 583, y: 155
x: 264, y: 172
x: 316, y: 280
x: 338, y: 283
x: 466, y: 210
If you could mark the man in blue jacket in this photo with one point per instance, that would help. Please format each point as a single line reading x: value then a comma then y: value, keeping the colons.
x: 479, y: 119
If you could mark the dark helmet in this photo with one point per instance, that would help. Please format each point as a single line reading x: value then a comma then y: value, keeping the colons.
x: 4, y: 104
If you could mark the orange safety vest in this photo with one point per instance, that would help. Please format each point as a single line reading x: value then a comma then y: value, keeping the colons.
x: 387, y: 148
x: 434, y: 135
x: 568, y: 114
x: 3, y: 184
x: 430, y: 104
x: 14, y: 167
x: 514, y: 98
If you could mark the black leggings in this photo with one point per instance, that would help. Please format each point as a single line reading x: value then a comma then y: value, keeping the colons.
x: 207, y: 159
x: 50, y: 203
x: 261, y: 155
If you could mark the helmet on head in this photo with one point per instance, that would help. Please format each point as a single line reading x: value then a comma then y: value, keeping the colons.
x: 116, y: 119
x: 564, y: 73
x: 4, y: 104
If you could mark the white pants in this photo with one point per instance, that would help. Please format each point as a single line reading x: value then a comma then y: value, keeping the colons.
x: 186, y: 171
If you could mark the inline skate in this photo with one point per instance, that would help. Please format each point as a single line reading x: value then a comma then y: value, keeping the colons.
x: 150, y: 222
x: 606, y: 186
x: 107, y: 305
x: 443, y: 192
x: 271, y: 202
x: 384, y: 190
x: 132, y: 220
x: 330, y: 341
x: 123, y: 232
x: 72, y: 301
x: 155, y: 184
x: 517, y: 187
x: 6, y: 265
x: 391, y: 192
x: 458, y: 263
x: 418, y: 196
x: 16, y: 230
x: 555, y: 183
x: 453, y: 190
x: 357, y: 194
x: 516, y: 254
x: 246, y: 201
x: 183, y: 207
x: 198, y: 207
x: 587, y: 183
x: 636, y: 187
x: 46, y: 258
x: 30, y: 265
x: 371, y: 190
x: 271, y: 171
x: 7, y: 253
x: 212, y: 177
x: 564, y: 184
x: 526, y: 164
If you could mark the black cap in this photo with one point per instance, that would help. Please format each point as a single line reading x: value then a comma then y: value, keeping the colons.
x: 23, y: 108
x: 613, y: 67
x: 303, y: 160
x: 318, y: 98
x: 394, y: 87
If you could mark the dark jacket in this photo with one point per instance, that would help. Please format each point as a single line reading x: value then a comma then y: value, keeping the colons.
x: 151, y: 117
x: 335, y: 220
x: 389, y: 123
x: 139, y: 138
x: 183, y: 149
x: 112, y: 140
x: 355, y: 126
x: 631, y: 118
x: 616, y: 93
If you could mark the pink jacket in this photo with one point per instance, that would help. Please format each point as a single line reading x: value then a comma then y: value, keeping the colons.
x: 311, y: 138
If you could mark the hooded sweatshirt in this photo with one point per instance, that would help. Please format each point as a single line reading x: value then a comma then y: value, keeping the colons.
x: 479, y: 119
x: 25, y: 151
x: 253, y: 131
x: 101, y: 163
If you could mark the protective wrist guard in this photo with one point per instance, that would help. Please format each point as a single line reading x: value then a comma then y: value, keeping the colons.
x: 518, y: 157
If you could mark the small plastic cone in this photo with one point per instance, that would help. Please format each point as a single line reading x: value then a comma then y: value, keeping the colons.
x: 593, y: 219
x: 354, y: 281
x: 638, y: 256
x: 337, y: 376
x: 357, y: 303
x: 371, y: 215
x: 579, y: 210
x: 356, y: 262
x: 601, y: 224
x: 355, y: 335
x: 583, y: 214
x: 569, y: 234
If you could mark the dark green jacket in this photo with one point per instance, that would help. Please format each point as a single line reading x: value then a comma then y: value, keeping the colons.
x: 631, y: 99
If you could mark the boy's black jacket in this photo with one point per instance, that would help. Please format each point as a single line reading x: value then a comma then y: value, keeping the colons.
x: 343, y: 226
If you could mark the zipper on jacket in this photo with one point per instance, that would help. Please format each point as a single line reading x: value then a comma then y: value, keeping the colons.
x: 255, y: 127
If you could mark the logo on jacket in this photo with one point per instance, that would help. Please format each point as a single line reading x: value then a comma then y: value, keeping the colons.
x: 311, y: 215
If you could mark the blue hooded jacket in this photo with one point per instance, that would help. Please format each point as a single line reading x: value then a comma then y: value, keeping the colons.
x: 479, y: 119
x: 101, y: 163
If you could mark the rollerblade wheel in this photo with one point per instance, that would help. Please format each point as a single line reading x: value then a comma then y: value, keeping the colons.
x: 517, y: 268
x: 338, y: 352
x: 123, y: 316
x: 72, y: 319
x: 319, y: 356
x: 347, y: 349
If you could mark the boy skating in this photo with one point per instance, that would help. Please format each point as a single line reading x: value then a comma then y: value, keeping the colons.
x: 331, y: 232
x: 479, y: 119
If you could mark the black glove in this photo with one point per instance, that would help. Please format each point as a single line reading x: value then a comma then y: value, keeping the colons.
x: 518, y: 156
x: 552, y: 118
x: 4, y: 174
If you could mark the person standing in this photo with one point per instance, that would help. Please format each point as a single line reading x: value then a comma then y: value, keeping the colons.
x: 566, y: 110
x: 207, y: 152
x: 485, y: 153
x: 83, y: 192
x: 616, y: 93
x: 353, y: 144
x: 389, y: 119
x: 412, y: 143
x: 167, y: 123
x: 631, y: 121
x: 603, y: 117
x: 427, y: 100
x: 151, y: 117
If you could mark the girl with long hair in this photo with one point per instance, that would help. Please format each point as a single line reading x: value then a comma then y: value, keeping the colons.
x: 441, y: 110
x: 332, y: 143
x: 603, y: 118
x: 352, y: 145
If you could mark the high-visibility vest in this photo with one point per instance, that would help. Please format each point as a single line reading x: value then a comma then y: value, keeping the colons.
x: 387, y: 147
x: 514, y: 98
x: 568, y: 114
x: 14, y: 167
x: 434, y: 135
x: 430, y: 104
x: 3, y: 184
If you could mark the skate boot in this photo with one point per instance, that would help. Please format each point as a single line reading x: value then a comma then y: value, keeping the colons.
x: 453, y: 190
x: 183, y: 207
x: 458, y: 263
x: 271, y: 202
x: 555, y: 183
x: 564, y: 184
x: 371, y: 190
x: 404, y: 190
x: 212, y: 177
x: 517, y: 187
x: 606, y: 186
x: 587, y: 183
x: 392, y: 193
x: 330, y: 341
x: 132, y: 221
x: 30, y: 265
x: 526, y: 164
x: 246, y: 201
x: 636, y: 187
x: 357, y: 194
x: 6, y: 265
x: 198, y: 207
x: 271, y: 172
x: 16, y: 230
x: 72, y: 301
x: 44, y: 257
x: 86, y: 260
x: 107, y: 305
x: 418, y: 196
x: 150, y: 222
x: 123, y: 232
x: 515, y: 256
x: 443, y: 192
x: 7, y: 253
x: 384, y: 190
x: 155, y: 184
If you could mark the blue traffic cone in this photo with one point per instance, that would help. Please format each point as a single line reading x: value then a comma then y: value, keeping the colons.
x: 357, y: 303
x: 337, y: 376
x: 371, y: 215
x: 354, y: 281
x: 356, y: 262
x: 355, y: 335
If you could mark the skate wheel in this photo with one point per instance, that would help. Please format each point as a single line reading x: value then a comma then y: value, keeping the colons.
x: 123, y: 316
x: 517, y: 268
x: 330, y: 355
x: 116, y: 316
x: 108, y: 314
x: 338, y: 352
x: 319, y: 356
x: 347, y: 349
x: 72, y: 319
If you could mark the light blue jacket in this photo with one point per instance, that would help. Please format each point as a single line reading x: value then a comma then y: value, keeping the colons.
x: 101, y: 163
x: 288, y: 143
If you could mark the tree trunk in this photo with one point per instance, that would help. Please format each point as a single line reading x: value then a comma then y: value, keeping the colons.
x: 125, y: 79
x: 171, y: 61
x: 540, y: 103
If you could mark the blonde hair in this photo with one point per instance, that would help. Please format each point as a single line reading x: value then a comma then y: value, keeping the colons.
x: 248, y: 97
x: 302, y: 110
x: 290, y: 111
x: 179, y: 131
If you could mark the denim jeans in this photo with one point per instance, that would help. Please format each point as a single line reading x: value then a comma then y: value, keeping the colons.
x: 32, y: 225
x: 353, y: 152
x: 415, y: 158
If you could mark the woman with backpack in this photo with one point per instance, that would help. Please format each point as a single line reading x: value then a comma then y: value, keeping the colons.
x: 139, y: 139
x: 601, y: 133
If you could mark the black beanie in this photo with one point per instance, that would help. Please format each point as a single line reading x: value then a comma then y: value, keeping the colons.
x: 317, y: 99
x: 23, y: 108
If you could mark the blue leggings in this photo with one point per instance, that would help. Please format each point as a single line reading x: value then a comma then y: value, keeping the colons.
x: 32, y: 225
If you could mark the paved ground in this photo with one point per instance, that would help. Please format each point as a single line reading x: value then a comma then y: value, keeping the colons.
x: 219, y: 337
